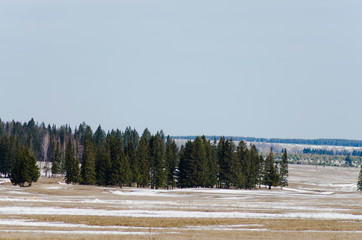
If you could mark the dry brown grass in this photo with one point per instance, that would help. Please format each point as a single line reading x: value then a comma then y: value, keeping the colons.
x: 72, y: 196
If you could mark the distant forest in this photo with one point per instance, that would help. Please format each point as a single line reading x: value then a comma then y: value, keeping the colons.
x: 332, y: 142
x: 331, y: 152
x: 127, y: 159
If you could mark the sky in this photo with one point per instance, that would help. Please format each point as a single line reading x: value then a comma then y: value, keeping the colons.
x: 275, y: 69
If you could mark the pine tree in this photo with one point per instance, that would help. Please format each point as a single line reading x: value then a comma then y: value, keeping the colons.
x: 199, y: 161
x: 242, y: 170
x: 359, y: 183
x: 142, y: 156
x: 115, y: 150
x: 71, y: 164
x: 56, y: 160
x: 254, y: 166
x: 228, y: 163
x: 147, y: 135
x: 171, y: 161
x: 271, y: 176
x: 260, y: 171
x: 132, y: 160
x: 88, y: 174
x: 212, y: 166
x: 184, y: 165
x: 103, y: 165
x: 99, y: 136
x: 157, y: 162
x: 25, y: 169
x: 284, y: 169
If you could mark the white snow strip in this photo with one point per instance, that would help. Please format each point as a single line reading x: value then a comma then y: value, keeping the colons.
x: 170, y: 213
x: 88, y: 232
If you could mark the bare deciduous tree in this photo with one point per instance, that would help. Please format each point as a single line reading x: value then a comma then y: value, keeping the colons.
x: 44, y: 148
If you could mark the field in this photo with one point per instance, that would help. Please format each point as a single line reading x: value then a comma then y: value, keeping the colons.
x: 319, y: 203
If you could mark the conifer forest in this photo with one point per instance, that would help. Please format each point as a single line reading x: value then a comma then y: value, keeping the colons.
x: 126, y: 158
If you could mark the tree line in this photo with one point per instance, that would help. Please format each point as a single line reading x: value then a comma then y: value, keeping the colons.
x: 124, y: 158
x: 333, y: 142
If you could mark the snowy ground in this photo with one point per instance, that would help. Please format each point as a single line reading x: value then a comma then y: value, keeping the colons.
x: 325, y: 197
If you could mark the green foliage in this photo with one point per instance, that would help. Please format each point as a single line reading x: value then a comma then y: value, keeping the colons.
x: 56, y: 160
x: 25, y: 169
x: 271, y: 176
x: 72, y: 174
x: 8, y: 153
x: 132, y: 160
x: 230, y: 169
x: 116, y: 152
x: 88, y: 174
x: 157, y: 162
x: 284, y: 169
x: 143, y: 158
x: 171, y: 161
x: 103, y: 165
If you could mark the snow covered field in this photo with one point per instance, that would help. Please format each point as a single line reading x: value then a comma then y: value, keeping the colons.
x: 320, y: 202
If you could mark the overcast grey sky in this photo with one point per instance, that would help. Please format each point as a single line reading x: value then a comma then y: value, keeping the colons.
x: 281, y: 68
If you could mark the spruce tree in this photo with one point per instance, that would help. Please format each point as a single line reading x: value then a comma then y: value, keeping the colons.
x: 115, y: 150
x: 147, y: 135
x: 212, y: 166
x: 25, y: 169
x: 242, y: 170
x: 359, y: 183
x: 253, y: 156
x: 260, y: 170
x: 199, y: 161
x: 103, y: 165
x: 284, y: 169
x: 56, y: 160
x: 171, y: 161
x: 132, y: 160
x: 271, y: 176
x: 228, y: 163
x: 184, y: 165
x: 88, y: 174
x: 142, y: 156
x: 157, y: 162
x: 72, y: 174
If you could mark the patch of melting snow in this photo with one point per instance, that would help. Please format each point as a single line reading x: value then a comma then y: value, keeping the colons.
x: 30, y: 223
x: 144, y: 192
x: 53, y: 188
x: 4, y: 180
x: 171, y: 213
x: 88, y: 232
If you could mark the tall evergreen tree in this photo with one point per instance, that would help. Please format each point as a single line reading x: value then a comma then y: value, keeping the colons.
x: 260, y: 173
x: 132, y: 159
x: 284, y: 169
x: 88, y: 173
x: 147, y: 135
x: 243, y: 171
x: 184, y: 165
x: 142, y: 156
x: 72, y: 174
x: 212, y: 165
x: 115, y: 150
x: 198, y: 160
x: 171, y: 161
x: 103, y: 165
x: 99, y: 136
x: 157, y: 162
x: 228, y: 163
x: 56, y: 160
x: 271, y: 176
x: 253, y: 156
x: 25, y: 169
